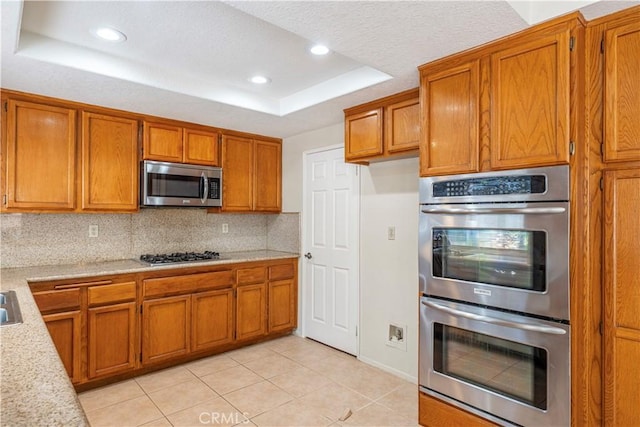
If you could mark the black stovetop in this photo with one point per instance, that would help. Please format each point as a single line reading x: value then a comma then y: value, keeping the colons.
x: 179, y: 257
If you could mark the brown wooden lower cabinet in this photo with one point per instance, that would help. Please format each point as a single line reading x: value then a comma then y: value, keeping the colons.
x: 112, y: 339
x: 436, y: 413
x: 166, y: 324
x: 621, y: 320
x: 116, y: 326
x: 211, y: 319
x: 66, y: 333
x: 282, y: 305
x: 251, y: 311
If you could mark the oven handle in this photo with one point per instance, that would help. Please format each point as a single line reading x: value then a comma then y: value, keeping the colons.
x: 459, y: 211
x: 487, y: 319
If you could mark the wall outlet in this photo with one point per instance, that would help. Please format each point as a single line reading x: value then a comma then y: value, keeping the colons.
x: 391, y: 233
x: 225, y: 228
x: 397, y: 336
x: 93, y: 231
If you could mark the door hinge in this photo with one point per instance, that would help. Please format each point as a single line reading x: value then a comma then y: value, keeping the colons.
x: 140, y: 356
x: 356, y: 331
x: 6, y: 106
x: 601, y: 183
x: 140, y: 309
x: 572, y: 43
x: 601, y: 329
x: 572, y: 148
x: 4, y: 200
x: 602, y: 46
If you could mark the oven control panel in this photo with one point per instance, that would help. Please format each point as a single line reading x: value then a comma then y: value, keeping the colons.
x: 488, y: 186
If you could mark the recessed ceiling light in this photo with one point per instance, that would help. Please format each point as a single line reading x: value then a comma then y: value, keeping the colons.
x: 319, y: 49
x: 259, y: 80
x: 109, y: 34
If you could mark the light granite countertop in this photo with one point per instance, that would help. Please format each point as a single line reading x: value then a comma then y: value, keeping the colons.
x: 34, y: 386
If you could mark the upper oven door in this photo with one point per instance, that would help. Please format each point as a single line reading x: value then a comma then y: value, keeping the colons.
x: 509, y: 255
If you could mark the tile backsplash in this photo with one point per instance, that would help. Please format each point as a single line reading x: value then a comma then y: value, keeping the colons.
x: 46, y: 239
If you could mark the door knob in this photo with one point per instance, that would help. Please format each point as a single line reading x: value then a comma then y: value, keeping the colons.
x: 308, y: 255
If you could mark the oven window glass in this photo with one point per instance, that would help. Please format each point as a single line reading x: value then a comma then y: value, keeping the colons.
x: 508, y: 368
x: 164, y: 185
x: 511, y: 258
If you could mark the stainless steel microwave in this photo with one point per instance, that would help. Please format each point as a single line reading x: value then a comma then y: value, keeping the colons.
x: 175, y: 184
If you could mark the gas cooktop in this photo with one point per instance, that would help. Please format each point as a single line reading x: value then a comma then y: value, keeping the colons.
x: 178, y: 257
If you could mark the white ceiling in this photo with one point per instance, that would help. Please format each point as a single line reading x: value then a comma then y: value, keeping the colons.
x: 192, y: 60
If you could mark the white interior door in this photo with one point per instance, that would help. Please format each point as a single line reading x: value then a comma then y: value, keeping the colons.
x: 330, y: 241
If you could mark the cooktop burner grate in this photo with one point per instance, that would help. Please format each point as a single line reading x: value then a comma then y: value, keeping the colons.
x: 177, y: 257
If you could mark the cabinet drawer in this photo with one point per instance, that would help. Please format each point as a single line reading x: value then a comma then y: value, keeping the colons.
x: 187, y: 284
x: 279, y: 272
x: 119, y: 292
x: 251, y: 275
x: 57, y: 300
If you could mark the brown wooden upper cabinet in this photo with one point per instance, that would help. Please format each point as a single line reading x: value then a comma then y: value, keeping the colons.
x: 622, y: 91
x: 504, y: 105
x: 42, y: 172
x: 385, y: 128
x: 109, y: 163
x: 40, y: 156
x: 252, y: 174
x: 451, y: 105
x: 171, y: 143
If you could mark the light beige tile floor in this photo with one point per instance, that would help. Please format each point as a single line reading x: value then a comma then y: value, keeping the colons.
x: 290, y: 382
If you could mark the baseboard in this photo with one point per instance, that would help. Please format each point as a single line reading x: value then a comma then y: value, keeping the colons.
x: 389, y: 369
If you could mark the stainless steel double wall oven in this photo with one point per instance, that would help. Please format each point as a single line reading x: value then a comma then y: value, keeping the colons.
x: 494, y: 282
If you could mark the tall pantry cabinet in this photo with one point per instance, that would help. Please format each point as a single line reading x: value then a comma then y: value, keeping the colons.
x: 613, y: 93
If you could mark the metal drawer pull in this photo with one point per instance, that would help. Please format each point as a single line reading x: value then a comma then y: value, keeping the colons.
x: 84, y: 285
x: 525, y: 326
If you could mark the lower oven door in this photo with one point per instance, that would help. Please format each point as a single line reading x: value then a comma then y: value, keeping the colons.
x: 513, y: 367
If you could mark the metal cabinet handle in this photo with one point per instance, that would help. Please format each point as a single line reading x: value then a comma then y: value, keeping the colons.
x: 308, y: 255
x: 519, y: 325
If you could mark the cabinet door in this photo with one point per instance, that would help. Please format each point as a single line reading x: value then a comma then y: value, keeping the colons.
x: 166, y: 324
x: 363, y: 134
x: 162, y: 142
x: 201, y: 147
x: 621, y: 297
x: 251, y: 310
x: 41, y: 150
x: 111, y: 339
x: 402, y: 126
x: 450, y: 102
x: 212, y: 319
x: 622, y: 93
x: 282, y: 305
x: 530, y: 103
x: 267, y: 195
x: 109, y: 163
x: 237, y: 178
x: 66, y: 332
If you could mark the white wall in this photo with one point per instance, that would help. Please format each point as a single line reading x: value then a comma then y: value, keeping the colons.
x: 388, y: 269
x: 292, y: 149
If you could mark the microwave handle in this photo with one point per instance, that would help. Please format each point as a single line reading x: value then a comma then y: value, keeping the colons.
x: 205, y: 194
x: 501, y: 322
x: 460, y: 211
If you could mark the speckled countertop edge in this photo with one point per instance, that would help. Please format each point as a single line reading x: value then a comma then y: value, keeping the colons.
x: 35, y: 388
